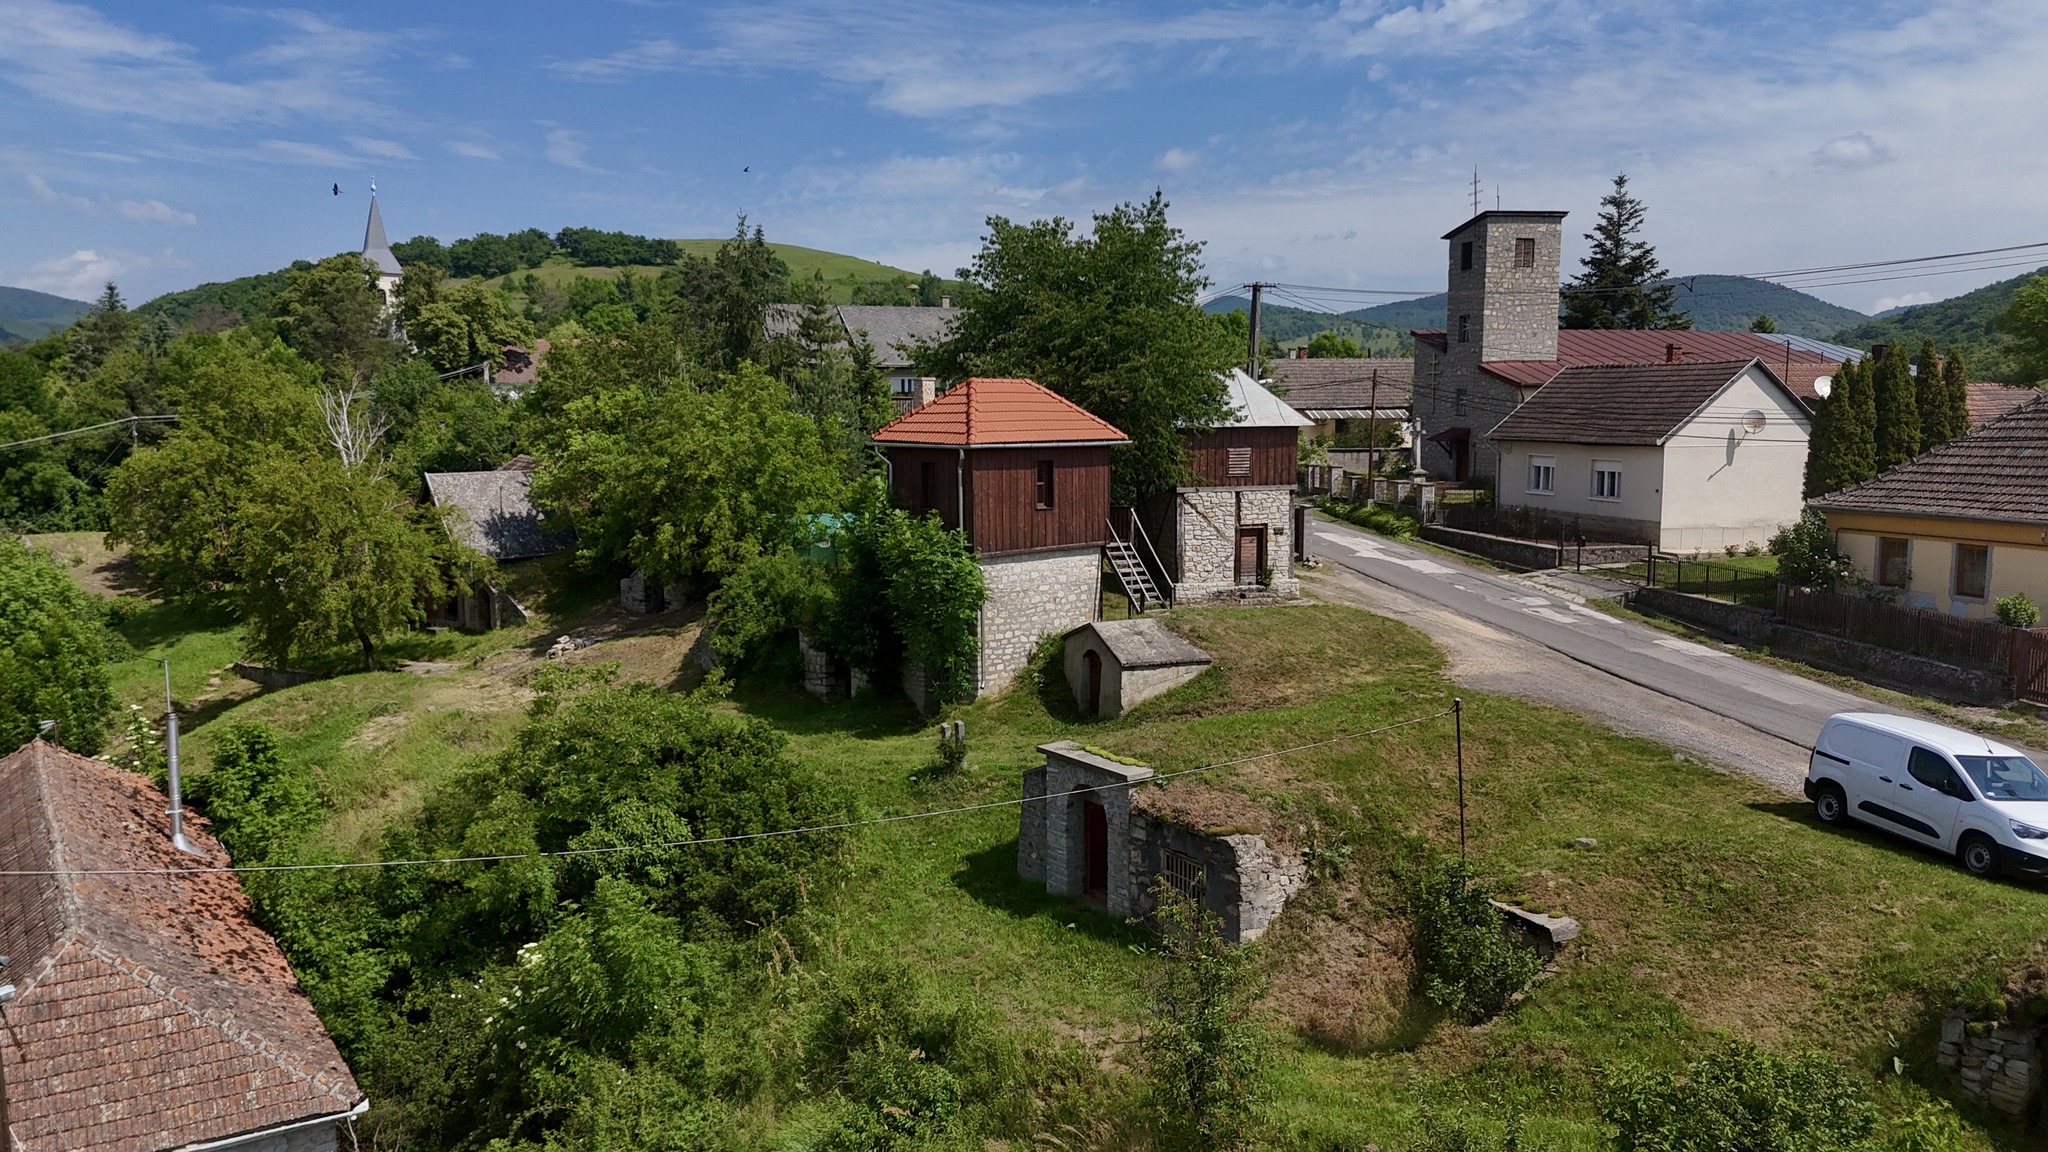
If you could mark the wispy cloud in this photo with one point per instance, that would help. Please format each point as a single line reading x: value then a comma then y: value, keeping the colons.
x: 473, y: 151
x: 643, y: 57
x: 566, y: 147
x: 155, y: 212
x: 300, y: 152
x: 1178, y: 160
x: 50, y: 195
x: 389, y: 149
x: 1856, y: 150
x: 80, y: 275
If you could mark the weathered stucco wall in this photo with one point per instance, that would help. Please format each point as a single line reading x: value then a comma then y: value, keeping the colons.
x: 1726, y: 485
x: 1637, y: 515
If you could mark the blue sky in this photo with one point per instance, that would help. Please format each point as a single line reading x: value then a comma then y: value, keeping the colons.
x: 1331, y: 143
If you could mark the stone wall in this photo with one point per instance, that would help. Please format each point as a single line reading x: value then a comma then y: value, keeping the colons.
x: 642, y: 596
x: 1245, y: 881
x: 277, y: 677
x: 1069, y: 769
x: 1206, y: 521
x: 1997, y: 1064
x: 1523, y: 554
x: 821, y: 673
x: 1031, y: 596
x: 1750, y: 625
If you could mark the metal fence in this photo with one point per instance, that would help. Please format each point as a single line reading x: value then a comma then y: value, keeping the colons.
x: 1730, y: 582
x: 1983, y: 643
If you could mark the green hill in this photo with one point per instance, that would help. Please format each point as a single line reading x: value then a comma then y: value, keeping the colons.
x: 26, y: 314
x: 222, y: 303
x: 1715, y: 303
x: 1968, y: 321
x: 1404, y: 315
x: 1294, y: 326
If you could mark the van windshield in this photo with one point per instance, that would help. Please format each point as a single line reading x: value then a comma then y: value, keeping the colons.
x: 2006, y: 777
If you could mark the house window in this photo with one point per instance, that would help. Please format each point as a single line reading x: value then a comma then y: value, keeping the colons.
x: 1525, y: 251
x: 1465, y: 256
x: 1465, y: 329
x: 1973, y: 570
x: 1543, y: 474
x: 1892, y: 571
x: 1240, y: 462
x: 1606, y: 480
x: 1184, y: 874
x: 906, y: 385
x: 927, y: 486
x: 1457, y: 402
x: 1044, y: 494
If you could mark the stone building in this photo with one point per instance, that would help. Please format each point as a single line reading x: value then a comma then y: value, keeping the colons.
x: 1024, y: 474
x: 493, y: 512
x: 1225, y: 534
x: 1115, y: 665
x: 1093, y: 828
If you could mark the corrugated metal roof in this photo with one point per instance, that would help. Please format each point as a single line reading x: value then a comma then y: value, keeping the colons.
x: 1583, y: 346
x: 1996, y: 472
x: 985, y: 411
x: 1255, y: 407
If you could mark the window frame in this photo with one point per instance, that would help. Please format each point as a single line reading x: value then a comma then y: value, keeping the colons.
x: 1044, y: 489
x: 1457, y: 401
x: 1237, y: 461
x: 1881, y: 571
x: 1184, y: 874
x: 1955, y: 577
x: 1606, y: 468
x: 1525, y: 251
x: 1548, y: 466
x: 1465, y: 328
x: 1465, y: 256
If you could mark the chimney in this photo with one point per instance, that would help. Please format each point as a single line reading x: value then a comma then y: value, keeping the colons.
x: 1673, y: 353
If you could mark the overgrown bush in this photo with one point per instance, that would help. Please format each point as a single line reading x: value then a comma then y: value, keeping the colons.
x: 2017, y: 611
x: 1207, y: 1047
x: 907, y: 587
x: 1738, y: 1097
x: 1468, y: 965
x: 1806, y: 553
x: 1457, y: 1132
x: 1373, y: 518
x: 52, y: 653
x: 258, y: 805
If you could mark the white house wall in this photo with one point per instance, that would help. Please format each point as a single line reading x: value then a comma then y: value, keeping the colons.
x: 1636, y: 515
x: 1724, y: 486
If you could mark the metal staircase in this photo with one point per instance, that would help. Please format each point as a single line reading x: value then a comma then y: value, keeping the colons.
x: 1131, y: 572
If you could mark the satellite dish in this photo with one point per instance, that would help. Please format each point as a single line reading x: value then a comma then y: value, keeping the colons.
x: 1822, y: 385
x: 1752, y: 422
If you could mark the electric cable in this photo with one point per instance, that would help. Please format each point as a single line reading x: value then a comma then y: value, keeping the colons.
x: 129, y: 420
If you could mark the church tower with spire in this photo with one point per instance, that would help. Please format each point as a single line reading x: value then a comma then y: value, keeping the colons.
x: 377, y: 252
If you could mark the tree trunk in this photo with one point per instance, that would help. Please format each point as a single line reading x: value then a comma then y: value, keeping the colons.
x: 369, y: 651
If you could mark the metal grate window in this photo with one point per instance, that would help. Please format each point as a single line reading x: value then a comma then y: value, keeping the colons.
x: 1184, y: 873
x: 1240, y: 462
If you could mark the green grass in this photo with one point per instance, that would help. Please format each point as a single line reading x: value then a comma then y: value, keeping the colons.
x: 1751, y: 580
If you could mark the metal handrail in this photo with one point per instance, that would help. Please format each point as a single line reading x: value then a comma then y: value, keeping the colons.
x: 1158, y: 565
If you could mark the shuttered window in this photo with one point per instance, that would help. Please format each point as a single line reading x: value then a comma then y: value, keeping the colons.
x: 1240, y: 462
x: 1525, y: 251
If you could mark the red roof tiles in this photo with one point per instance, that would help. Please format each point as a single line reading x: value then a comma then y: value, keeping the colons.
x: 1577, y: 347
x: 151, y: 1011
x: 1997, y: 472
x: 989, y: 411
x: 1988, y: 401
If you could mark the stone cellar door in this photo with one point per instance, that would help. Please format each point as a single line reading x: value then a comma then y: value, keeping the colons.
x: 1092, y: 661
x: 1094, y: 851
x: 1251, y: 553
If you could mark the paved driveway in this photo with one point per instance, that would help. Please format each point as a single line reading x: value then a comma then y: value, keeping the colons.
x: 1511, y: 635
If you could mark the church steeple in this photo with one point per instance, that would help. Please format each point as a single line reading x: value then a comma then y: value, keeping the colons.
x: 376, y: 249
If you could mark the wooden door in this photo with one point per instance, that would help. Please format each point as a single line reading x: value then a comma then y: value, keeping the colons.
x: 1094, y: 851
x: 1251, y: 554
x: 1092, y: 661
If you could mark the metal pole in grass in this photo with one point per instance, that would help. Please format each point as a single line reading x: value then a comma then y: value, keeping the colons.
x: 1458, y: 726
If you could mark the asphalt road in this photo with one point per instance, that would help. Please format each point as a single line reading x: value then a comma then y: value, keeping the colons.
x: 1689, y: 694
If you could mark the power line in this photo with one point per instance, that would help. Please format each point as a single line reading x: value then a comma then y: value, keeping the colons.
x: 705, y: 841
x: 128, y: 420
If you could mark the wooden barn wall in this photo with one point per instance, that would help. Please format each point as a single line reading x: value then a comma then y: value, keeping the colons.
x: 1275, y: 455
x: 1002, y: 492
x: 904, y: 483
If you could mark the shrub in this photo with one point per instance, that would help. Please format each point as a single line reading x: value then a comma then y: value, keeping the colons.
x: 1738, y: 1097
x: 1806, y: 553
x: 2017, y: 611
x: 1469, y: 966
x: 258, y: 805
x: 1372, y: 518
x: 1207, y: 1047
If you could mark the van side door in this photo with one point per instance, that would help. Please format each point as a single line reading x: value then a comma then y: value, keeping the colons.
x: 1928, y: 797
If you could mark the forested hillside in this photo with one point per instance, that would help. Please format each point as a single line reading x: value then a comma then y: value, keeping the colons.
x: 1715, y: 304
x: 1968, y: 322
x: 26, y: 314
x: 1288, y: 327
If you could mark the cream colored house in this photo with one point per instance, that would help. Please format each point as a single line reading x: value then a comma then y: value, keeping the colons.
x: 1959, y: 527
x: 1683, y: 456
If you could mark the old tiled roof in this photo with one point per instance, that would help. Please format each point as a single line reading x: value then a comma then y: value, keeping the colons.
x: 1255, y: 407
x: 151, y: 1011
x: 1618, y: 403
x: 889, y: 329
x: 1997, y: 472
x: 521, y: 366
x: 1582, y: 346
x: 498, y: 517
x: 1988, y: 401
x: 1146, y: 643
x: 984, y: 411
x: 1332, y: 388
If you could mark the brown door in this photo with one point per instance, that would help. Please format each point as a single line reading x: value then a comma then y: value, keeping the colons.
x: 1092, y: 661
x: 1461, y: 459
x: 1251, y: 554
x: 1094, y: 851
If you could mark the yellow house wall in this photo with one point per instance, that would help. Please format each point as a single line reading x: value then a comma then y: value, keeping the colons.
x: 2019, y: 558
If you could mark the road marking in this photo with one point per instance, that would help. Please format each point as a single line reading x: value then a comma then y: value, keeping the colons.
x: 1372, y: 550
x: 1686, y: 646
x: 1529, y: 600
x: 1600, y: 617
x: 1551, y: 614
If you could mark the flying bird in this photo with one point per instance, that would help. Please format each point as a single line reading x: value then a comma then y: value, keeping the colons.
x: 748, y: 168
x: 337, y: 189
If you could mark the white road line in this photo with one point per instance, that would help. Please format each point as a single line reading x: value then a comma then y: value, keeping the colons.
x: 1372, y: 550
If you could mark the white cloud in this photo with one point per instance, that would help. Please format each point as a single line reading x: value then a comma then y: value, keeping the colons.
x: 389, y: 149
x: 53, y: 196
x: 78, y: 276
x: 566, y: 147
x: 473, y: 151
x: 646, y: 56
x: 300, y: 152
x: 156, y: 212
x: 1178, y: 160
x: 1856, y: 150
x: 1887, y: 303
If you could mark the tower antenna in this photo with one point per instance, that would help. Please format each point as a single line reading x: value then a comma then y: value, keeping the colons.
x: 1475, y: 189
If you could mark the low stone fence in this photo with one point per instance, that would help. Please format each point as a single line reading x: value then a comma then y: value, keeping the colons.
x: 1994, y: 1062
x: 277, y: 677
x: 1759, y: 626
x: 1526, y: 555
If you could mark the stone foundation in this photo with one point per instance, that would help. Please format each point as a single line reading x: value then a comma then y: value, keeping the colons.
x: 1032, y: 595
x: 1997, y: 1064
x: 1206, y: 521
x: 640, y: 595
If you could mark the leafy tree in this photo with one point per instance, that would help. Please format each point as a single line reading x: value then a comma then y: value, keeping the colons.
x: 1763, y: 323
x: 333, y: 315
x: 931, y: 290
x: 1623, y: 284
x: 258, y: 805
x: 460, y: 326
x: 2025, y: 324
x: 1107, y: 320
x: 1329, y: 345
x: 1739, y: 1097
x: 2017, y: 611
x: 682, y: 483
x: 1898, y: 416
x: 488, y: 254
x: 52, y: 653
x: 422, y: 252
x: 333, y: 556
x: 438, y: 425
x: 591, y: 247
x: 1209, y: 1052
x: 721, y: 303
x: 1955, y: 387
x: 1806, y: 553
x: 1930, y: 398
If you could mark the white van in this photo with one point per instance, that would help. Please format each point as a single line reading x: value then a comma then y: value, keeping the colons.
x: 1951, y: 790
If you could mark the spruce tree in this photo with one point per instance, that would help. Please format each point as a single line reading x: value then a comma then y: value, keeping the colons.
x: 1955, y: 381
x: 1821, y: 449
x: 1897, y: 417
x: 1930, y: 397
x: 1621, y: 286
x: 1855, y: 427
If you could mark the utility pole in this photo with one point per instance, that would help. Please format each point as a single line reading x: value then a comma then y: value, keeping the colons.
x: 1251, y: 363
x: 1372, y: 437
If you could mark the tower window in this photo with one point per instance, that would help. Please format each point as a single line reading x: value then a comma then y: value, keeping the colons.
x: 1525, y: 251
x: 1465, y: 256
x: 1464, y: 329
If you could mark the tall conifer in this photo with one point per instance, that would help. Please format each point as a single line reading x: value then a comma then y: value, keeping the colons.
x: 1821, y: 452
x: 1897, y: 416
x: 1855, y: 431
x: 1955, y: 380
x: 1930, y: 397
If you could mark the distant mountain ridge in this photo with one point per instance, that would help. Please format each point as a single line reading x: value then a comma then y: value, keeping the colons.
x: 26, y: 314
x: 1968, y: 322
x: 1715, y: 304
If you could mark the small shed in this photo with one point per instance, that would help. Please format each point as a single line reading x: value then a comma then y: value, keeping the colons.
x: 1115, y: 665
x: 496, y: 517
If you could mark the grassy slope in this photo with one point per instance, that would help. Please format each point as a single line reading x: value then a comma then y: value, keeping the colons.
x: 32, y: 315
x: 1711, y: 905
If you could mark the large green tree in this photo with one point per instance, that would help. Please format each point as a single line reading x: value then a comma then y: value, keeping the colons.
x: 1897, y: 431
x: 333, y: 315
x: 2025, y: 324
x: 336, y: 556
x: 1843, y: 447
x: 461, y: 325
x: 1621, y: 285
x: 1107, y: 319
x: 52, y: 655
x: 721, y: 302
x: 98, y: 334
x: 1930, y: 399
x: 1955, y: 387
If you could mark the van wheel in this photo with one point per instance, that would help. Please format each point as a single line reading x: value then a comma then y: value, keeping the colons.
x: 1978, y: 854
x: 1830, y: 805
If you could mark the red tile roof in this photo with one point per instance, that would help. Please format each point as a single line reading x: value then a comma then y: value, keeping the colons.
x: 1998, y: 472
x: 1583, y: 346
x: 990, y: 411
x: 1988, y: 401
x: 151, y: 1011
